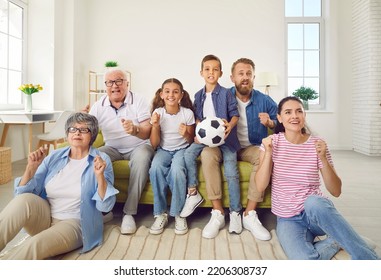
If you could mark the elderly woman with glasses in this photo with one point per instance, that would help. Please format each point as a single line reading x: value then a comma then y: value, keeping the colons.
x: 61, y: 196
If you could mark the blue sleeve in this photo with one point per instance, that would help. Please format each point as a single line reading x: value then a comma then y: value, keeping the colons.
x: 232, y: 105
x: 109, y: 199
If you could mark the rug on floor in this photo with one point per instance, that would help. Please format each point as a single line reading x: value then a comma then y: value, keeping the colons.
x: 191, y: 246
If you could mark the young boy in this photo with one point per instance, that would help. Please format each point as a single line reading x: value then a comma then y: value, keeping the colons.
x: 214, y: 100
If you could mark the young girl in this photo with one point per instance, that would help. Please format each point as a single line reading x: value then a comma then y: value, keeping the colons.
x: 292, y: 158
x: 172, y: 131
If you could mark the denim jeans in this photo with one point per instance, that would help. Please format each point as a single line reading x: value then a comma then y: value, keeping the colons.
x: 230, y: 172
x: 320, y: 217
x: 168, y: 170
x: 190, y: 156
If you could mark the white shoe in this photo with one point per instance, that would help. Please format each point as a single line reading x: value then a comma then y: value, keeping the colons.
x: 216, y: 222
x: 191, y: 203
x: 128, y: 225
x: 252, y: 223
x: 235, y: 222
x: 107, y: 217
x: 181, y: 226
x: 160, y: 222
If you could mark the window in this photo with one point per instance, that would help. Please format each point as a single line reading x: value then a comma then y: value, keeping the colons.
x: 12, y: 47
x: 305, y: 55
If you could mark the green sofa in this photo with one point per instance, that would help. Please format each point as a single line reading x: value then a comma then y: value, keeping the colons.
x: 122, y: 173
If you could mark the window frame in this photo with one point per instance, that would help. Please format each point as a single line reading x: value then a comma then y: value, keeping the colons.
x: 23, y: 5
x: 308, y: 20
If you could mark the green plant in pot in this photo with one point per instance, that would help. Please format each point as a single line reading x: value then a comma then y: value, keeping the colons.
x: 305, y: 94
x: 111, y: 63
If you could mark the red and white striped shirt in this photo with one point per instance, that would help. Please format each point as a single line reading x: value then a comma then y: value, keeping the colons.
x: 295, y: 174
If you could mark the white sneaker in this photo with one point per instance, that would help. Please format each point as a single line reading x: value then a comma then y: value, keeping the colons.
x: 160, y: 222
x: 181, y: 226
x: 252, y: 223
x: 107, y: 217
x: 128, y: 225
x: 235, y: 222
x: 191, y: 203
x: 216, y: 222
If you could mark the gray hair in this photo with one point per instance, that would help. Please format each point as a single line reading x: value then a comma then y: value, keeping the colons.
x: 89, y: 120
x: 116, y: 69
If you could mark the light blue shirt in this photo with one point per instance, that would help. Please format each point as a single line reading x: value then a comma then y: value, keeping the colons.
x: 91, y: 203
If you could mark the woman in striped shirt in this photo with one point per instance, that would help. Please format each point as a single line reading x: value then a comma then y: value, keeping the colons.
x: 292, y: 159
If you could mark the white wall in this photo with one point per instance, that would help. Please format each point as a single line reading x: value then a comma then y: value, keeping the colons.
x: 156, y: 40
x: 366, y: 59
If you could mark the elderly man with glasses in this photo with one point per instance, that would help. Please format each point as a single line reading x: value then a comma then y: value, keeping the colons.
x: 124, y: 117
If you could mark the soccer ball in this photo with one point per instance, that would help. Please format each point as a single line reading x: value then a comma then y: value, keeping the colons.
x: 211, y: 131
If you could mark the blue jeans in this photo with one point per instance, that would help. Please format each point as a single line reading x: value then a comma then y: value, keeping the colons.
x: 230, y: 172
x: 168, y: 170
x: 320, y: 217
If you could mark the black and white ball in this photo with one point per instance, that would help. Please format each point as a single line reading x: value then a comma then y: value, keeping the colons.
x: 211, y: 131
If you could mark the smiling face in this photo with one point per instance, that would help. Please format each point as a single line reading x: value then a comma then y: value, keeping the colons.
x: 171, y: 94
x: 292, y: 116
x: 211, y: 71
x: 116, y: 93
x: 243, y: 79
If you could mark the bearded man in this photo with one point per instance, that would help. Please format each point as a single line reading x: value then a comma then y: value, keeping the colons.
x: 258, y: 113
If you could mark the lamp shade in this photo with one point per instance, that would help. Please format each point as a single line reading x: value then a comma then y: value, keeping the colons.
x: 266, y: 79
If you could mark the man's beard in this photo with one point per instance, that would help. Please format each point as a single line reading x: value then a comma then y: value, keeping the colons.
x: 244, y: 90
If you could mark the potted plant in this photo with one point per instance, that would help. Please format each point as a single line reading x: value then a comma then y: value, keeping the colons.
x: 111, y: 63
x: 28, y: 90
x: 305, y: 94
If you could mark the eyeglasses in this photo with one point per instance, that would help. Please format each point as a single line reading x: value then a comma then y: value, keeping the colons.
x: 118, y: 82
x: 82, y: 130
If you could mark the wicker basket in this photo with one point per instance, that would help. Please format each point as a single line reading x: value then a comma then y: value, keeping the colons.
x: 5, y: 165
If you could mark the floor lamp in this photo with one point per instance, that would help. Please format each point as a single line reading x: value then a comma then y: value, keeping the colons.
x: 266, y: 79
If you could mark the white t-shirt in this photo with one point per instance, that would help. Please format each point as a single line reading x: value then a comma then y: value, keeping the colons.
x: 64, y: 190
x: 208, y: 109
x: 170, y: 139
x: 135, y: 108
x: 242, y: 130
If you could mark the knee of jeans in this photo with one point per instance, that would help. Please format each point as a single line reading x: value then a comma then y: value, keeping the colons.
x: 155, y: 167
x: 230, y: 168
x: 315, y: 202
x: 178, y: 171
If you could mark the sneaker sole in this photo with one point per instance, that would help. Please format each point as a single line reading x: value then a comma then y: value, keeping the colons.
x: 181, y: 232
x: 127, y: 231
x: 194, y: 208
x: 156, y: 232
x: 267, y: 238
x: 234, y: 231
